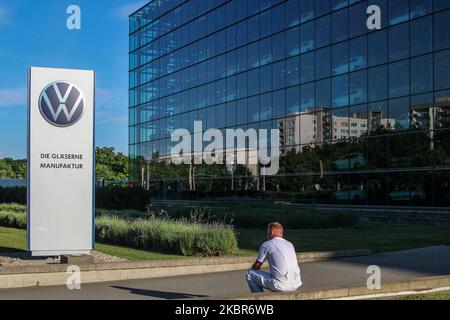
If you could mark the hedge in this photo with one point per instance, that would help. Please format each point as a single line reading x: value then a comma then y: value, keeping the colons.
x: 121, y: 198
x: 169, y: 236
x: 13, y: 195
x: 13, y: 215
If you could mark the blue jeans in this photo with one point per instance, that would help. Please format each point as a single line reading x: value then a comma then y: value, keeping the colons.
x: 259, y: 280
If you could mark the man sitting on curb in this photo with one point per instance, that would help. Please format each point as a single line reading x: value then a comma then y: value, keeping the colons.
x: 284, y: 273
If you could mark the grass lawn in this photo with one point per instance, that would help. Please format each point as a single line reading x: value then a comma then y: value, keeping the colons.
x: 428, y: 296
x: 13, y: 240
x: 134, y: 254
x: 16, y: 240
x: 378, y: 237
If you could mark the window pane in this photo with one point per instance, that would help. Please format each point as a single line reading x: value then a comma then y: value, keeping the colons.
x: 441, y: 4
x: 307, y: 67
x: 265, y: 107
x: 292, y: 73
x: 242, y: 85
x: 399, y: 42
x: 307, y: 97
x: 231, y: 63
x: 292, y: 12
x: 323, y: 63
x: 323, y: 31
x: 399, y: 79
x: 378, y: 116
x: 231, y: 93
x: 253, y: 28
x: 221, y: 116
x: 253, y: 82
x: 307, y: 37
x: 358, y: 18
x: 231, y: 114
x: 358, y: 87
x: 399, y: 113
x: 358, y: 53
x: 377, y: 83
x: 323, y: 94
x: 340, y: 25
x: 340, y: 58
x: 322, y: 7
x: 377, y: 48
x: 253, y: 109
x: 422, y: 74
x: 279, y: 104
x: 231, y: 38
x: 293, y: 100
x: 278, y: 18
x: 265, y: 51
x: 279, y: 46
x: 338, y: 4
x: 398, y: 11
x: 442, y: 70
x: 279, y: 75
x: 340, y: 91
x: 421, y: 36
x: 420, y: 7
x: 242, y: 59
x: 253, y: 55
x: 306, y: 10
x: 421, y: 111
x: 293, y: 41
x: 441, y: 30
x: 265, y: 76
x: 242, y: 112
x: 242, y: 33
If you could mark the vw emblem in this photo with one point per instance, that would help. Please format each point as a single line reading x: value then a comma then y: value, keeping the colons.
x: 61, y: 104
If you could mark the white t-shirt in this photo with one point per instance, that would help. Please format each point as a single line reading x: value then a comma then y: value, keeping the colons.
x: 283, y: 263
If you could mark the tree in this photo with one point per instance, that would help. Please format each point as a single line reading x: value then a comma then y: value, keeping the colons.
x: 110, y: 165
x: 13, y: 169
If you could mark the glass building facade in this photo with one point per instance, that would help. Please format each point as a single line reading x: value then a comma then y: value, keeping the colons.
x: 364, y: 115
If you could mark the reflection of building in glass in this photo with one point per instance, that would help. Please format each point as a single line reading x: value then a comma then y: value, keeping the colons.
x: 366, y: 112
x: 377, y: 120
x: 315, y: 127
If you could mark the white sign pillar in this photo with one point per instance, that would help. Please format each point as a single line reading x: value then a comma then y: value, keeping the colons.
x: 61, y: 157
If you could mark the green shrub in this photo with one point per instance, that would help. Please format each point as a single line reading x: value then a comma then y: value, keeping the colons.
x: 14, y: 207
x: 158, y: 234
x: 112, y: 230
x: 13, y: 215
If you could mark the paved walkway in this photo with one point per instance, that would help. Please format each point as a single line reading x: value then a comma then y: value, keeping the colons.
x: 348, y: 272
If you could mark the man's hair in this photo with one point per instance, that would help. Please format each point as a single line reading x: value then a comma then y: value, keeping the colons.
x: 275, y: 225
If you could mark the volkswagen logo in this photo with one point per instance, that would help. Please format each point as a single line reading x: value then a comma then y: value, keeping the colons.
x: 61, y: 104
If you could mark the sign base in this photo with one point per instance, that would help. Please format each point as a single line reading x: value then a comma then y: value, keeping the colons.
x: 77, y: 260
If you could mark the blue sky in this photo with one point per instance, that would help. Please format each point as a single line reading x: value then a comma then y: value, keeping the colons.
x: 34, y: 33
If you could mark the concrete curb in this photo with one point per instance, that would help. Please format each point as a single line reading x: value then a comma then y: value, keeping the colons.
x: 54, y: 275
x: 410, y: 287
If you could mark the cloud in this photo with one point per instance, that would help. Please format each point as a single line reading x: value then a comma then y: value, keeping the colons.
x: 122, y: 12
x: 13, y: 97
